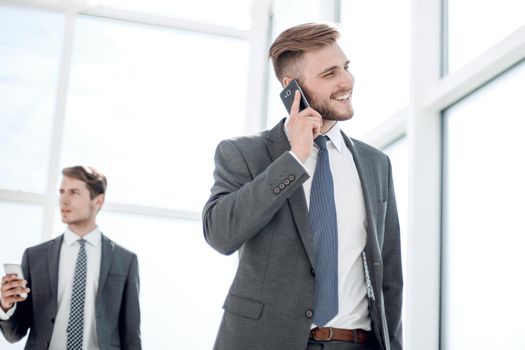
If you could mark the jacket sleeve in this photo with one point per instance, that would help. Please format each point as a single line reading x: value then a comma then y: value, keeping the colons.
x: 16, y: 327
x: 242, y: 203
x: 129, y: 322
x: 393, y: 275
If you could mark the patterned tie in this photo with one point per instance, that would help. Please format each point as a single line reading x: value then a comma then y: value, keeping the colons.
x: 323, y: 220
x: 75, y: 325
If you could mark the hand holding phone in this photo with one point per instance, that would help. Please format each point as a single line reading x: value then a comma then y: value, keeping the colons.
x: 288, y: 94
x: 304, y: 124
x: 13, y: 288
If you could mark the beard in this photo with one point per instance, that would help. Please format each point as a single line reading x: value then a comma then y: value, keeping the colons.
x: 326, y: 111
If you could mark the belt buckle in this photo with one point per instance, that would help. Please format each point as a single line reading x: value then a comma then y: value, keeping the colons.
x: 326, y: 339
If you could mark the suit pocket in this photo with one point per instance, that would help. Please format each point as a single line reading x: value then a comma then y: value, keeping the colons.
x: 241, y: 306
x: 116, y: 277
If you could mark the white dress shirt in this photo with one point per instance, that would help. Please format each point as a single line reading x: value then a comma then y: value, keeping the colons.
x: 351, y: 230
x: 5, y: 315
x: 66, y: 272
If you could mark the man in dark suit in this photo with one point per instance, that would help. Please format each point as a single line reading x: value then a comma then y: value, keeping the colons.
x: 81, y: 290
x: 313, y: 216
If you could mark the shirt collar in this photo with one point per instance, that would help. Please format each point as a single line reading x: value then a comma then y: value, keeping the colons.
x: 334, y: 134
x: 93, y: 237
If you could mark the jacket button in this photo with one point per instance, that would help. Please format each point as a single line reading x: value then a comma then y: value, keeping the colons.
x: 281, y: 186
x: 276, y: 190
x: 291, y: 177
x: 312, y: 271
x: 286, y: 182
x: 309, y: 313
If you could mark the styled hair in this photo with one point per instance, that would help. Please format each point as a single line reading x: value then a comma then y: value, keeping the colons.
x: 291, y: 44
x: 95, y: 182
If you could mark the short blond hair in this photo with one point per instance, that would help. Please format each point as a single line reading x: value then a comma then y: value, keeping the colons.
x: 291, y: 44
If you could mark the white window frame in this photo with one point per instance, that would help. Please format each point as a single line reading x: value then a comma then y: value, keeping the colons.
x: 257, y: 36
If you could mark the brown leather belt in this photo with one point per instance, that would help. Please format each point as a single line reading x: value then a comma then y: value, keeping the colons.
x: 329, y: 333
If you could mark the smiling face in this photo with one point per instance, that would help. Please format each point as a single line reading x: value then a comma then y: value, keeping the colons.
x: 78, y: 210
x: 326, y: 81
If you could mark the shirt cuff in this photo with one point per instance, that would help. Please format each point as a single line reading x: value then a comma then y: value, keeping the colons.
x: 298, y: 160
x: 6, y: 315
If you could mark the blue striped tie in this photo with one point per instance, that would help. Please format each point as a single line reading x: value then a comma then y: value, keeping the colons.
x: 75, y: 325
x: 323, y: 220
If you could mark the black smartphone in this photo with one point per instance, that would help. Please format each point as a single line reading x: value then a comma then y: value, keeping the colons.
x: 288, y: 94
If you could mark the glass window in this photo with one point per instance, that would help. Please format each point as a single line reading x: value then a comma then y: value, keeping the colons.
x: 475, y: 26
x: 230, y: 13
x: 287, y: 13
x: 276, y: 110
x: 20, y: 228
x: 30, y: 48
x: 179, y: 274
x: 148, y: 106
x: 483, y: 237
x: 376, y: 39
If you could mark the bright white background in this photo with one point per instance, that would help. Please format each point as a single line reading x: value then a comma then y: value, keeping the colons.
x: 144, y: 90
x: 483, y: 241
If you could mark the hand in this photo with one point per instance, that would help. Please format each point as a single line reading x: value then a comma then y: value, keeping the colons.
x: 303, y: 128
x: 12, y: 287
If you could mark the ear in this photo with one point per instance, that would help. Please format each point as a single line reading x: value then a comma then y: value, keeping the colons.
x: 99, y: 200
x: 286, y: 80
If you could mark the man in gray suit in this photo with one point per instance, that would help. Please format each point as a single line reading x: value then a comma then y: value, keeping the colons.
x: 81, y: 289
x: 262, y: 205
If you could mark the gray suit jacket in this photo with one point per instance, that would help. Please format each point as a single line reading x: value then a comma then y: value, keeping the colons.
x: 257, y: 206
x: 116, y: 306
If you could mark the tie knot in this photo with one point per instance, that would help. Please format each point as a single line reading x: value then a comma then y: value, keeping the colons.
x: 321, y: 141
x: 82, y: 242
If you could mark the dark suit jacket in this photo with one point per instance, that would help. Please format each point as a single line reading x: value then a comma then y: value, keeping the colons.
x: 116, y: 306
x: 270, y: 302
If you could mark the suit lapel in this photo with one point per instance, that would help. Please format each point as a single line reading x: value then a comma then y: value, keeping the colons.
x: 368, y: 184
x: 53, y: 253
x: 107, y: 249
x: 277, y: 145
x: 372, y: 254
